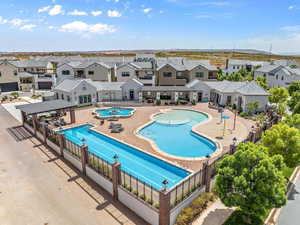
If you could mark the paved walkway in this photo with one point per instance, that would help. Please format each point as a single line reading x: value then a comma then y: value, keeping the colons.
x: 290, y: 213
x: 216, y: 214
x: 38, y: 187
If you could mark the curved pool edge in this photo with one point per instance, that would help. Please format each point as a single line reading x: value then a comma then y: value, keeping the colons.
x: 156, y: 148
x: 115, y: 116
x: 141, y: 150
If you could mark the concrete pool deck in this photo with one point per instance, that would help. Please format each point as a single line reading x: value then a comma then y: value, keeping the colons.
x: 213, y: 128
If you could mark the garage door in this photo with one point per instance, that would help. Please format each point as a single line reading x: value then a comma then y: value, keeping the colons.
x: 7, y: 87
x: 44, y: 85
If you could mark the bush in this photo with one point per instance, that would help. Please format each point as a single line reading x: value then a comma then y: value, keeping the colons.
x: 143, y: 197
x: 149, y: 201
x: 15, y: 94
x: 158, y: 102
x: 243, y: 114
x: 193, y: 102
x: 188, y: 214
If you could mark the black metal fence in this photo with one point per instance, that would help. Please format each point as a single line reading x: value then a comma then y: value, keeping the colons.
x: 184, y: 189
x: 101, y: 166
x: 72, y: 148
x: 140, y: 189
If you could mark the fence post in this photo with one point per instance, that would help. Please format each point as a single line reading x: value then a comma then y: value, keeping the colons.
x: 61, y: 144
x: 208, y: 170
x: 84, y: 158
x: 116, y: 179
x: 45, y: 133
x: 164, y: 208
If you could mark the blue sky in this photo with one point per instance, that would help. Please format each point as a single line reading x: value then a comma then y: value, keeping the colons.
x: 62, y: 25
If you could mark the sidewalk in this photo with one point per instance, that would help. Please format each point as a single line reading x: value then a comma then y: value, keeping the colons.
x: 216, y: 214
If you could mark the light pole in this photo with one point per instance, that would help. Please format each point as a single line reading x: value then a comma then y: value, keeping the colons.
x: 116, y: 157
x: 165, y: 183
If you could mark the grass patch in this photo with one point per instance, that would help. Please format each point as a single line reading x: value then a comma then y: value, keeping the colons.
x: 287, y: 172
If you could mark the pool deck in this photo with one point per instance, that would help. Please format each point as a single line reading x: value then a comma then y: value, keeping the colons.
x: 212, y: 129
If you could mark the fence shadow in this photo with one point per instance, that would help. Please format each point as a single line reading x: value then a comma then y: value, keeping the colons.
x: 19, y: 133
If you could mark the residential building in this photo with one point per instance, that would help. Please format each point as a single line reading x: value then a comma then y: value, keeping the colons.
x: 8, y: 77
x: 278, y: 75
x: 234, y: 65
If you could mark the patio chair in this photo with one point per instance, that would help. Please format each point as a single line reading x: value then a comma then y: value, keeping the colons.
x: 117, y: 130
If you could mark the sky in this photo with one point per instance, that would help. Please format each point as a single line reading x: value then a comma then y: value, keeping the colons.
x: 94, y: 25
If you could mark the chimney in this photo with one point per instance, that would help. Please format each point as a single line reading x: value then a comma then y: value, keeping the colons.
x: 227, y: 63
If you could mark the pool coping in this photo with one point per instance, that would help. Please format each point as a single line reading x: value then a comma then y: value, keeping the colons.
x: 132, y: 146
x: 156, y: 148
x: 114, y: 116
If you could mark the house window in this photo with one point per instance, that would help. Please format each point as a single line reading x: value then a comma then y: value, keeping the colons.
x: 238, y: 67
x: 125, y: 74
x: 62, y: 96
x: 91, y: 72
x: 25, y: 69
x: 15, y: 73
x: 167, y: 74
x: 200, y: 74
x: 68, y: 98
x: 282, y: 78
x: 0, y: 74
x: 137, y: 73
x: 66, y: 72
x: 276, y: 77
x: 233, y: 67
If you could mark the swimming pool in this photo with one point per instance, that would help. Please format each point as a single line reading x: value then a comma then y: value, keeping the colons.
x: 145, y: 167
x: 172, y: 133
x: 115, y: 112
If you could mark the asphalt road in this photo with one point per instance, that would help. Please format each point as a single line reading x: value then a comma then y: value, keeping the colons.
x: 39, y: 188
x: 289, y: 215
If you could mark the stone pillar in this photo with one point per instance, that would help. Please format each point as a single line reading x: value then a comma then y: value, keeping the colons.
x: 175, y: 96
x: 84, y: 158
x: 157, y: 95
x: 116, y: 179
x: 140, y: 96
x: 164, y: 208
x: 61, y: 144
x: 206, y: 177
x: 72, y: 115
x: 34, y: 119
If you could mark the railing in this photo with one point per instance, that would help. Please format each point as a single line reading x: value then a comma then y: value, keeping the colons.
x: 140, y: 189
x: 184, y: 189
x: 101, y: 166
x: 72, y: 148
x: 52, y: 135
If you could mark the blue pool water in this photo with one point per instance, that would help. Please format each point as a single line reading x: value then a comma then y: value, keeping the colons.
x: 147, y: 168
x: 115, y: 112
x: 172, y: 133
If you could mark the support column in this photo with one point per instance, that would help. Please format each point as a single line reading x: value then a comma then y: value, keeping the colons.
x: 45, y: 134
x: 34, y: 119
x: 116, y: 179
x: 206, y: 177
x: 61, y: 144
x: 164, y: 208
x: 72, y: 115
x: 84, y: 158
x: 23, y: 115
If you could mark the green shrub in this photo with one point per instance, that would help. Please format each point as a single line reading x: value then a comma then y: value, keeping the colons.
x: 149, y: 201
x: 136, y: 193
x: 143, y: 197
x: 158, y: 102
x: 156, y: 205
x: 193, y: 102
x: 243, y: 114
x: 188, y: 214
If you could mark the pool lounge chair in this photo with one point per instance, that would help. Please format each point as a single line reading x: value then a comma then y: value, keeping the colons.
x: 117, y: 130
x: 114, y: 125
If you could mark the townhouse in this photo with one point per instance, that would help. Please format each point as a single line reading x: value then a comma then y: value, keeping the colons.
x: 278, y: 75
x: 83, y: 91
x: 234, y: 65
x: 179, y: 72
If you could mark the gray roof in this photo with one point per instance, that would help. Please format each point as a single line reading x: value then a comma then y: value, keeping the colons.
x: 25, y: 74
x: 252, y: 88
x: 247, y: 62
x: 107, y: 86
x: 29, y: 63
x: 68, y: 85
x: 46, y: 106
x: 165, y: 88
x: 181, y: 64
x: 267, y: 68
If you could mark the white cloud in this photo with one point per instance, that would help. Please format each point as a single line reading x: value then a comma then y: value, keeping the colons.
x: 114, y: 13
x: 2, y: 20
x: 16, y: 22
x: 80, y: 27
x: 44, y: 9
x: 291, y: 7
x: 77, y: 13
x: 96, y: 13
x: 56, y: 10
x: 51, y: 27
x: 291, y: 28
x: 147, y: 10
x: 28, y: 27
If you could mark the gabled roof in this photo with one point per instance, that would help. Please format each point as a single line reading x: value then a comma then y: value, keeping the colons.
x: 268, y: 68
x: 135, y: 81
x: 131, y: 65
x: 252, y: 88
x: 68, y: 85
x: 29, y: 63
x: 107, y: 86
